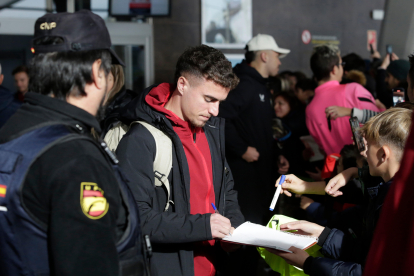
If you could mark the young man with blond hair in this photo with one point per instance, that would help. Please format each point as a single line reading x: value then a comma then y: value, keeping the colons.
x: 385, y: 135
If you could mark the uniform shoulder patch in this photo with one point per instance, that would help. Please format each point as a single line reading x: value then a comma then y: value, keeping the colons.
x: 92, y: 200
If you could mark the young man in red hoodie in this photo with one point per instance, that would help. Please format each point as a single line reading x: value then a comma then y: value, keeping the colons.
x: 184, y: 236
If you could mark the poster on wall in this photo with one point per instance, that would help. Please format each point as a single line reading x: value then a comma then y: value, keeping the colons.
x: 372, y: 39
x: 226, y: 23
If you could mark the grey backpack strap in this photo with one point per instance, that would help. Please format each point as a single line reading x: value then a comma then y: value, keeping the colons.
x: 163, y: 158
x: 115, y: 134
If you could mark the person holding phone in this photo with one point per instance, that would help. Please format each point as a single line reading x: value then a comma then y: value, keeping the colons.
x: 391, y: 74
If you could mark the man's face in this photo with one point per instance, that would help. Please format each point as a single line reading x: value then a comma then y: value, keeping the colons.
x: 392, y: 81
x: 410, y: 89
x: 304, y: 96
x: 21, y: 80
x: 373, y: 155
x: 340, y: 71
x: 201, y: 99
x: 273, y: 63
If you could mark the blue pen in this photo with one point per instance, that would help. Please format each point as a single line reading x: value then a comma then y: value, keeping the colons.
x: 217, y: 212
x: 277, y: 193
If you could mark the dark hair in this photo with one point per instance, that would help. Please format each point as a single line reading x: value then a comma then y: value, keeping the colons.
x: 353, y: 62
x: 292, y: 101
x: 323, y: 60
x: 350, y: 155
x: 306, y: 84
x: 250, y: 56
x: 64, y: 73
x: 19, y: 69
x: 411, y: 71
x: 299, y: 75
x: 209, y: 63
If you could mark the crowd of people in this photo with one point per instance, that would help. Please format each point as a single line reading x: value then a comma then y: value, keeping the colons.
x: 97, y: 179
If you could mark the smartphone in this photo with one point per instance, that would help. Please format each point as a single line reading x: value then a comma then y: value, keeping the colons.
x: 371, y: 49
x: 359, y: 140
x: 398, y: 95
x: 388, y: 48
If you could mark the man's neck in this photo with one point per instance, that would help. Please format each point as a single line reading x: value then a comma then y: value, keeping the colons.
x: 260, y: 67
x: 390, y: 172
x: 174, y: 104
x: 326, y: 80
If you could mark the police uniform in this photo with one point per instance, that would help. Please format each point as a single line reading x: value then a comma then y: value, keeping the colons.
x: 71, y: 213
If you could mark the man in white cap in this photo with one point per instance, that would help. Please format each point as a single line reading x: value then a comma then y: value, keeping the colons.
x: 249, y: 138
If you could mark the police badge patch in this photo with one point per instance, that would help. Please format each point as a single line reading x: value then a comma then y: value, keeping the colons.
x: 93, y: 202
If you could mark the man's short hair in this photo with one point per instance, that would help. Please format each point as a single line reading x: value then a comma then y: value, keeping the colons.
x: 323, y: 60
x: 19, y: 69
x: 250, y: 56
x: 208, y: 63
x: 411, y: 71
x: 66, y: 73
x: 0, y: 68
x: 391, y: 128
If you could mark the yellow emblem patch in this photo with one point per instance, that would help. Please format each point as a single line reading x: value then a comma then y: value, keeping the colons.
x: 93, y: 202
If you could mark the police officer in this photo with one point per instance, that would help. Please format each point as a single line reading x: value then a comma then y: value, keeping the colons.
x: 64, y: 210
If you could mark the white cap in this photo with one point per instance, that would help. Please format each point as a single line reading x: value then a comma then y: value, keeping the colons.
x: 266, y: 42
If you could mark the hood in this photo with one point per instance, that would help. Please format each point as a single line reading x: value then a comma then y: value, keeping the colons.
x: 243, y: 69
x: 139, y: 109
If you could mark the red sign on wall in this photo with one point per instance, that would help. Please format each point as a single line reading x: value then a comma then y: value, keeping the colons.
x: 372, y: 39
x: 306, y: 37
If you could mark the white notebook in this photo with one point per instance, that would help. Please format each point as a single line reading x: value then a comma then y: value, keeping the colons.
x: 261, y: 236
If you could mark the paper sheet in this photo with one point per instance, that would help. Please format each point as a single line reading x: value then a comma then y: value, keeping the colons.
x: 261, y: 236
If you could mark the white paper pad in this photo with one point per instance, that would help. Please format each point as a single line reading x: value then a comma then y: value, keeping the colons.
x: 261, y: 236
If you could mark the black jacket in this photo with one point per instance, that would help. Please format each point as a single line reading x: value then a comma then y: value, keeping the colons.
x: 8, y: 105
x: 348, y: 253
x: 174, y: 232
x: 248, y: 112
x: 78, y: 245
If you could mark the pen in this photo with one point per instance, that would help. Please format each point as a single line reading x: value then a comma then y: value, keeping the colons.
x: 277, y: 193
x: 352, y: 233
x: 215, y: 208
x: 217, y: 212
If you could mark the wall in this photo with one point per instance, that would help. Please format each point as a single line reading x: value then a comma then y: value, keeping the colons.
x: 284, y: 19
x: 398, y: 27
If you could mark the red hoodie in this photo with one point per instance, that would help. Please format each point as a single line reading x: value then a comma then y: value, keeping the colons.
x: 197, y: 152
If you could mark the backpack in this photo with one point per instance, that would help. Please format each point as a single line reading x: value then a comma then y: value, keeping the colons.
x: 163, y: 156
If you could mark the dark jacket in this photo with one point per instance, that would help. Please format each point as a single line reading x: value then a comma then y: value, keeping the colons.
x: 173, y: 232
x: 8, y: 105
x: 347, y: 252
x: 248, y: 113
x: 77, y: 244
x: 293, y: 147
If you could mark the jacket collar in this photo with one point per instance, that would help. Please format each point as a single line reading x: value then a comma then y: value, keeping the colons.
x: 63, y: 108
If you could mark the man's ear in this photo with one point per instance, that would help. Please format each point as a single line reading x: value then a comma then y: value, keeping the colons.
x: 386, y: 153
x: 335, y: 70
x: 182, y: 84
x: 98, y: 75
x: 263, y: 56
x: 1, y: 78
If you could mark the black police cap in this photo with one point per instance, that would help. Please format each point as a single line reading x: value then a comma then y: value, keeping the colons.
x: 80, y: 31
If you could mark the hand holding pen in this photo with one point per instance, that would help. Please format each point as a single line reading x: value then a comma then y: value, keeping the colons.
x: 220, y: 226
